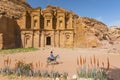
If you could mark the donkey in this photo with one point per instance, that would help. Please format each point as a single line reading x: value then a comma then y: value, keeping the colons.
x: 49, y: 60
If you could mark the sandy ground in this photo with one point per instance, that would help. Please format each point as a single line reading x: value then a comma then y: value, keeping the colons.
x: 67, y: 60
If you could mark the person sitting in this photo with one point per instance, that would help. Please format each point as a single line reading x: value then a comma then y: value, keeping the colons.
x: 52, y: 56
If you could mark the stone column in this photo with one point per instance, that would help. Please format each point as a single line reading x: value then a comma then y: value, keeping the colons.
x: 39, y: 22
x: 70, y: 21
x: 32, y: 24
x: 42, y: 39
x: 57, y: 39
x: 23, y: 39
x: 30, y: 41
x: 53, y: 41
x: 36, y: 39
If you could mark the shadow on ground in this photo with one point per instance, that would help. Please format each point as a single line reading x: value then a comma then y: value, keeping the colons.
x: 114, y: 74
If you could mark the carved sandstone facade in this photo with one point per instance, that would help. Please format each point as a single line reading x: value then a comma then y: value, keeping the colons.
x: 52, y: 26
x: 23, y: 26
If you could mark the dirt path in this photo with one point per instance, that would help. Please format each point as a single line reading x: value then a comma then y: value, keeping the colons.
x: 67, y: 60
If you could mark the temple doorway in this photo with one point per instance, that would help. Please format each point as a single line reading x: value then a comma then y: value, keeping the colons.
x: 48, y: 40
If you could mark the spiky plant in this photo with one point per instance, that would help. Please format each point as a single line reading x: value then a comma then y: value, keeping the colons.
x: 108, y: 64
x: 85, y: 71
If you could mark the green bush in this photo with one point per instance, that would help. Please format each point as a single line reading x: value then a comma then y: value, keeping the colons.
x: 10, y: 51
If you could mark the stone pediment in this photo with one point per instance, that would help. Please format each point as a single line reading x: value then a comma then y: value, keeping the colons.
x: 53, y: 10
x: 48, y: 9
x: 61, y: 10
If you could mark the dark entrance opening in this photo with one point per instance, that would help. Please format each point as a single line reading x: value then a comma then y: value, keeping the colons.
x: 48, y: 41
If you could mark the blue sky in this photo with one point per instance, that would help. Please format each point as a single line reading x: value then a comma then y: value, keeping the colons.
x: 107, y: 11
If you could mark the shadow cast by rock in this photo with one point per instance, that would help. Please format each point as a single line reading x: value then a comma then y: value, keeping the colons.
x: 114, y: 74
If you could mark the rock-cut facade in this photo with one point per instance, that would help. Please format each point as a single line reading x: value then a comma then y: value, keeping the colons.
x: 52, y: 26
x: 24, y: 26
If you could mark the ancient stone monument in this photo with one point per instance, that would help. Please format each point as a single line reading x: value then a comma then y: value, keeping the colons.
x: 52, y: 26
x: 24, y: 26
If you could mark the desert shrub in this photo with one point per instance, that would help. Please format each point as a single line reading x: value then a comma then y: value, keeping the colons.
x: 23, y: 69
x: 84, y: 70
x: 27, y: 70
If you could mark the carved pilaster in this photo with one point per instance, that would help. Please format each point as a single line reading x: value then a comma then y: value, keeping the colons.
x: 36, y: 39
x: 57, y: 39
x: 42, y: 39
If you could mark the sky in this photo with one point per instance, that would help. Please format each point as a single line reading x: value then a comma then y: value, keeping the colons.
x: 107, y: 11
